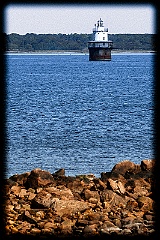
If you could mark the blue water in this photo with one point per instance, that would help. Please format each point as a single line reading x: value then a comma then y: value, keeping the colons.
x: 64, y: 111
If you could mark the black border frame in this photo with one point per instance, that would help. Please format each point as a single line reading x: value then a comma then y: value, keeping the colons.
x: 156, y: 190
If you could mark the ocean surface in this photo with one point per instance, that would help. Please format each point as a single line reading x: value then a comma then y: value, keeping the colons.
x: 64, y: 111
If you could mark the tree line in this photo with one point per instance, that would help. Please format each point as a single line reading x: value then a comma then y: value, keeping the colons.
x: 79, y: 42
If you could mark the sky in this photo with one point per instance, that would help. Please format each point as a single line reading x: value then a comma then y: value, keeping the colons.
x: 67, y: 19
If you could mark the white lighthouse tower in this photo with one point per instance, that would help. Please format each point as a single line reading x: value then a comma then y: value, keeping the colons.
x: 100, y: 47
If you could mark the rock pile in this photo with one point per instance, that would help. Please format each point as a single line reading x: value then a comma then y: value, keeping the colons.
x: 120, y: 203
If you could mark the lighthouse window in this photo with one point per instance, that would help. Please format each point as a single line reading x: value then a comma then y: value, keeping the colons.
x: 103, y: 38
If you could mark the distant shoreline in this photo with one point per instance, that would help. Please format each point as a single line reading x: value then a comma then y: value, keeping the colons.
x: 75, y: 52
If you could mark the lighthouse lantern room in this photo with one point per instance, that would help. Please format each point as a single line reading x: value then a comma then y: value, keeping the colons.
x: 100, y: 47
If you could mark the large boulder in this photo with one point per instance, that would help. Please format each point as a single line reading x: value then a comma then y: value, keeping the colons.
x: 61, y: 192
x: 125, y: 166
x: 76, y: 186
x: 116, y: 186
x: 145, y: 203
x: 42, y: 200
x: 91, y: 194
x: 62, y: 207
x: 69, y: 207
x: 99, y: 185
x: 147, y: 165
x: 112, y: 199
x: 138, y: 187
x: 20, y: 178
x: 39, y: 178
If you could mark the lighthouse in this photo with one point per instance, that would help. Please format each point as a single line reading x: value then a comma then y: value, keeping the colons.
x: 100, y: 47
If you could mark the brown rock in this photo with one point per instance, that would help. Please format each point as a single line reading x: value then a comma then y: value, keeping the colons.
x: 130, y: 185
x: 60, y: 192
x: 149, y: 217
x: 47, y: 231
x: 93, y: 200
x: 112, y: 185
x: 133, y: 226
x: 38, y: 190
x: 9, y: 183
x: 113, y: 198
x: 26, y: 216
x: 54, y: 204
x: 123, y: 167
x: 131, y: 205
x: 138, y: 187
x: 14, y: 230
x: 40, y: 214
x: 145, y: 203
x: 64, y: 207
x: 20, y: 178
x: 25, y: 206
x: 39, y: 178
x: 142, y: 183
x: 116, y: 186
x: 11, y: 222
x: 31, y: 190
x: 99, y: 184
x: 23, y: 193
x: 76, y: 186
x: 42, y: 200
x: 90, y: 176
x: 107, y: 206
x: 118, y: 177
x: 109, y: 227
x: 66, y: 227
x: 31, y: 196
x: 82, y: 222
x: 139, y: 215
x: 128, y: 220
x: 50, y: 225
x: 110, y: 230
x: 104, y: 216
x: 108, y: 224
x: 114, y: 214
x: 140, y: 192
x: 91, y: 194
x: 105, y: 176
x: 117, y: 222
x: 60, y: 172
x: 41, y: 224
x: 15, y: 190
x: 90, y: 230
x: 126, y: 232
x: 147, y: 165
x: 35, y: 231
x: 9, y: 207
x: 142, y: 229
x: 92, y: 216
x: 67, y: 224
x: 125, y: 213
x: 121, y: 188
x: 11, y: 215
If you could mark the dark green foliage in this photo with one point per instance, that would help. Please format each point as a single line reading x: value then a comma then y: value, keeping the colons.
x: 43, y: 42
x: 133, y: 41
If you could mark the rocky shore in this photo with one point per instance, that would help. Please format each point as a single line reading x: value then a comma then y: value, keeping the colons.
x: 119, y: 203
